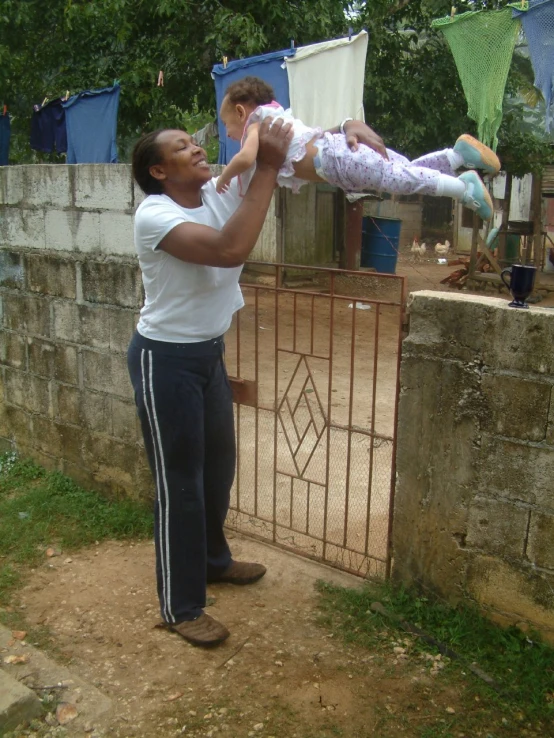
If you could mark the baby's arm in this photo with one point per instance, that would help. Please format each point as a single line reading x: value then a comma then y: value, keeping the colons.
x: 242, y: 161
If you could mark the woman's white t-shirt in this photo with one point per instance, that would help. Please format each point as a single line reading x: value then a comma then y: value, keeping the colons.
x: 184, y: 303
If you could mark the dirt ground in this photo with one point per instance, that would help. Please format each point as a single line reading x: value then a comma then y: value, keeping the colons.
x: 279, y: 674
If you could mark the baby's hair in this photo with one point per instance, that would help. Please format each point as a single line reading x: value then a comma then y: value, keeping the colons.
x: 250, y: 90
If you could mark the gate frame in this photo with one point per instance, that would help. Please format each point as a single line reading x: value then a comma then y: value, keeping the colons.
x: 245, y: 391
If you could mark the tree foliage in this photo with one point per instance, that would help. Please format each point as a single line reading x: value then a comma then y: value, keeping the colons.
x: 413, y: 96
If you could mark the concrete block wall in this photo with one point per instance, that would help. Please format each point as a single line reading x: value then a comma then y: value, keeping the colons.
x: 70, y: 292
x: 474, y: 507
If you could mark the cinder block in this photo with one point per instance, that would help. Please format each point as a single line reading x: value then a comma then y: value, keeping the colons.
x: 53, y: 361
x: 521, y: 340
x: 550, y: 428
x: 26, y: 314
x: 47, y: 185
x: 27, y: 392
x: 23, y: 228
x: 107, y: 373
x: 122, y: 327
x: 540, y: 547
x: 18, y: 423
x: 515, y: 407
x: 124, y: 420
x: 96, y: 411
x: 72, y: 441
x: 67, y: 401
x: 45, y: 436
x: 145, y: 488
x: 517, y: 592
x: 51, y: 275
x: 12, y: 272
x: 116, y: 234
x: 497, y: 527
x: 82, y: 476
x: 112, y: 283
x: 103, y: 187
x: 11, y: 185
x: 18, y: 704
x: 138, y: 195
x: 13, y: 350
x: 83, y: 324
x: 515, y: 471
x: 72, y: 230
x: 111, y: 461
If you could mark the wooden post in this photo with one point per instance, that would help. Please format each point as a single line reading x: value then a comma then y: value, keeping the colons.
x: 536, y: 207
x: 501, y: 254
x: 353, y: 233
x: 474, y: 245
x: 340, y: 229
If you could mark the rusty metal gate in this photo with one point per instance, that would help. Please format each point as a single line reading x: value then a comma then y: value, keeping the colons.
x: 314, y: 364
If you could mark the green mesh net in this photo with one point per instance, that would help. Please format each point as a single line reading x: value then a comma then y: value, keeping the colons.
x: 482, y: 44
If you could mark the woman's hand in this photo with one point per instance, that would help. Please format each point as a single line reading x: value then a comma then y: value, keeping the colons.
x: 357, y: 132
x: 274, y: 138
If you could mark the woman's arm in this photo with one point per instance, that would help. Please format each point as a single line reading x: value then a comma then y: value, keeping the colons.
x: 230, y: 247
x: 359, y: 133
x: 242, y: 161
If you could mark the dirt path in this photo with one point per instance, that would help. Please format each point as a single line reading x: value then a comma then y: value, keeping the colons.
x: 280, y: 673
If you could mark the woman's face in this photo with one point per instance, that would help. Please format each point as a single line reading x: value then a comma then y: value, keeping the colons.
x: 183, y: 162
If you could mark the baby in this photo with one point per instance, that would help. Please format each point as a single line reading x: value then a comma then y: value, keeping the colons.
x: 315, y: 156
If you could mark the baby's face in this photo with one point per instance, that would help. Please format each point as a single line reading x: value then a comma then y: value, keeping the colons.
x: 234, y: 118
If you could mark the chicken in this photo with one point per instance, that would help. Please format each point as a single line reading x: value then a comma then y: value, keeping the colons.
x: 417, y: 248
x: 442, y: 249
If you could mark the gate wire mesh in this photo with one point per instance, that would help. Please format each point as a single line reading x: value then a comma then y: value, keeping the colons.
x: 316, y: 440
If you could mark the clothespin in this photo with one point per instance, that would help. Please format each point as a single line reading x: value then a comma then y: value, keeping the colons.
x: 224, y: 62
x: 161, y: 79
x: 5, y: 110
x: 292, y: 43
x: 452, y: 12
x: 44, y: 102
x: 350, y: 32
x: 66, y: 95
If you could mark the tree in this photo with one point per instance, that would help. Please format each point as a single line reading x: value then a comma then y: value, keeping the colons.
x: 414, y: 97
x: 82, y: 44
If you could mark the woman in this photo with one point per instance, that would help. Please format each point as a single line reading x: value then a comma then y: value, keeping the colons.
x: 191, y: 244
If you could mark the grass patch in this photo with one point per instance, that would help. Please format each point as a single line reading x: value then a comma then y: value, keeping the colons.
x: 521, y: 665
x: 39, y: 508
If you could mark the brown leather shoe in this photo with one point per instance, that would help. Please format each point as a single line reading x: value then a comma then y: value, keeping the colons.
x: 240, y: 572
x: 204, y: 631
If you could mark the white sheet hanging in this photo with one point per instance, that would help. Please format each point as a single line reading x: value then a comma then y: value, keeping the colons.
x: 326, y: 81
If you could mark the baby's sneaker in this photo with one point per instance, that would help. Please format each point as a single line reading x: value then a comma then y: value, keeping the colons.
x: 476, y: 155
x: 476, y: 196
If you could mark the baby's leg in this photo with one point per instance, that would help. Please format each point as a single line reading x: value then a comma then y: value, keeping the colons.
x: 445, y: 161
x: 365, y: 169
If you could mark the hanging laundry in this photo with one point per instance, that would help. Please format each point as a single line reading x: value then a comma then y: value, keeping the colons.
x: 482, y: 43
x: 48, y: 131
x: 91, y: 122
x: 5, y: 135
x: 538, y: 24
x: 326, y: 81
x: 268, y: 67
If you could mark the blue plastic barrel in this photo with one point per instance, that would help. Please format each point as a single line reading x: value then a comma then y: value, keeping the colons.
x: 380, y: 239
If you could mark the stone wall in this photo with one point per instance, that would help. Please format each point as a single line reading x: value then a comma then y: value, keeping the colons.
x: 70, y: 292
x: 474, y: 508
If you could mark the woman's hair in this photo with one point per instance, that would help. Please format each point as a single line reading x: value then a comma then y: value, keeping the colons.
x: 250, y: 90
x: 145, y: 154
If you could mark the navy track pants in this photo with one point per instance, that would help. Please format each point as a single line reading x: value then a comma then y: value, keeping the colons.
x: 185, y: 407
